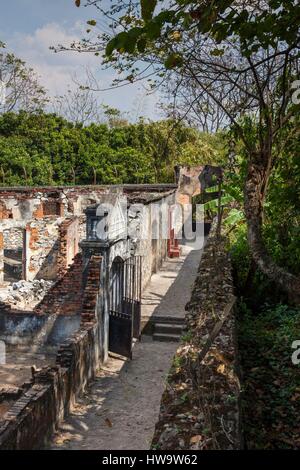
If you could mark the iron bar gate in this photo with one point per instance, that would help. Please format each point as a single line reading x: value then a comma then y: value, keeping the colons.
x: 125, y: 304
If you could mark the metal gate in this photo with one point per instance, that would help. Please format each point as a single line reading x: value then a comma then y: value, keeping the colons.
x: 125, y: 305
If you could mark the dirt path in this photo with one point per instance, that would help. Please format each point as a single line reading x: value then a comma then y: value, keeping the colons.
x: 121, y: 408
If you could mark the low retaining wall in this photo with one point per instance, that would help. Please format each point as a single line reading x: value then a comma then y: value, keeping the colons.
x: 20, y: 328
x: 33, y: 418
x: 200, y: 406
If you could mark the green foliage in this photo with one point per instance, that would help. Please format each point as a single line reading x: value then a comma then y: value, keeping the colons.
x: 213, y: 205
x: 39, y: 149
x: 234, y: 217
x: 271, y: 381
x: 221, y: 20
x: 187, y: 337
x: 281, y: 229
x: 240, y: 255
x: 23, y: 90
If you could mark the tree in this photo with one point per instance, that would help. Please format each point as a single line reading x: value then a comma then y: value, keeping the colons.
x: 21, y: 85
x: 40, y: 148
x: 16, y: 164
x: 243, y: 55
x: 78, y: 106
x: 114, y: 117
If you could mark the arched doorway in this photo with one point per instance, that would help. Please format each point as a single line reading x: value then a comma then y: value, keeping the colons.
x: 124, y: 304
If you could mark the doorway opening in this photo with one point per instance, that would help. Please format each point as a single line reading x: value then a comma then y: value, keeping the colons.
x: 125, y: 305
x: 14, y: 255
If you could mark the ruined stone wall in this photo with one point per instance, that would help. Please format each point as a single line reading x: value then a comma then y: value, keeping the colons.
x: 38, y: 203
x: 40, y: 211
x: 42, y: 249
x: 33, y: 418
x: 38, y: 240
x: 20, y: 329
x: 50, y: 244
x: 188, y: 184
x: 13, y: 238
x: 68, y: 243
x: 200, y: 406
x: 28, y: 203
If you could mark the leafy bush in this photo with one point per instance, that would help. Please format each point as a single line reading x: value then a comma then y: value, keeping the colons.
x: 271, y: 382
x: 39, y: 148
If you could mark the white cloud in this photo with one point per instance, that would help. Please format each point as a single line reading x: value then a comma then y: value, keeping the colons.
x: 57, y: 69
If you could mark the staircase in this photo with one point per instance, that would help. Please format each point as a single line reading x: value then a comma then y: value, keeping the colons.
x: 168, y: 329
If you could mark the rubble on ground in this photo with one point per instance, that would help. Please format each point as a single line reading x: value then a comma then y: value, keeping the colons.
x: 25, y: 293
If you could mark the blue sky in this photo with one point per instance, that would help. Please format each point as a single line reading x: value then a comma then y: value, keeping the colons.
x: 30, y: 27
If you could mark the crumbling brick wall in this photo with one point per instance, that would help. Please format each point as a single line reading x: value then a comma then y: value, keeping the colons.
x: 38, y: 203
x: 91, y: 291
x: 4, y: 212
x: 68, y: 244
x: 188, y: 184
x: 65, y: 296
x: 33, y: 418
x: 50, y: 245
x: 42, y: 249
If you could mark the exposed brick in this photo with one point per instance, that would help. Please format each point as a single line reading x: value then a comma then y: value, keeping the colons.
x: 4, y: 212
x: 31, y: 420
x: 65, y: 297
x: 38, y: 213
x: 68, y: 244
x: 34, y: 236
x: 91, y: 292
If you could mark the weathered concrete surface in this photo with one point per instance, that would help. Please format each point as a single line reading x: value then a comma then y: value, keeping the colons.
x: 122, y: 406
x: 17, y: 369
x: 170, y: 289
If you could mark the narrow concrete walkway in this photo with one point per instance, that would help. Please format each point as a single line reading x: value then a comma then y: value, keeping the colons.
x: 170, y: 289
x: 121, y: 408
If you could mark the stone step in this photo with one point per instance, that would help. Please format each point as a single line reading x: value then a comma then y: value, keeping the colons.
x: 168, y: 328
x: 165, y: 319
x: 164, y: 337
